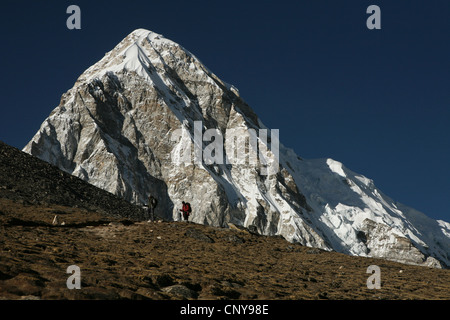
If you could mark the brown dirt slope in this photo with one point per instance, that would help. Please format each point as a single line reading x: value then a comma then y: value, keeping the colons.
x: 171, y: 260
x: 123, y: 258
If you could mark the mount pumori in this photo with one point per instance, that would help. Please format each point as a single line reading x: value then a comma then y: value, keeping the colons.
x: 130, y: 119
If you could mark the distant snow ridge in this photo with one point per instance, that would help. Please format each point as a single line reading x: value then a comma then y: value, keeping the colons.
x: 115, y: 129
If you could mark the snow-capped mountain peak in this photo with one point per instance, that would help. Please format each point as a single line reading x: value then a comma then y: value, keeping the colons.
x: 149, y: 102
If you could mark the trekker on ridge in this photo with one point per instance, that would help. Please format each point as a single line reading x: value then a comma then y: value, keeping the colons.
x: 152, y: 203
x: 186, y: 210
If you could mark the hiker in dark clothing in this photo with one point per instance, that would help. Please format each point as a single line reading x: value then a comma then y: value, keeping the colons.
x: 152, y: 202
x: 186, y: 210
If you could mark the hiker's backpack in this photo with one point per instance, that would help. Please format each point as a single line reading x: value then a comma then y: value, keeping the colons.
x: 188, y: 206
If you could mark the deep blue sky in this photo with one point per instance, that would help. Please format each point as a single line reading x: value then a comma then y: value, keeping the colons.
x: 376, y: 100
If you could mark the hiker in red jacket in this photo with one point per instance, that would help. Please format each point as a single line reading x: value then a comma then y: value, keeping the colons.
x: 186, y: 210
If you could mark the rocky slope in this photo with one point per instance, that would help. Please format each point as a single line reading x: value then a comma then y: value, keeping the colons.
x: 124, y: 258
x: 31, y: 181
x: 146, y: 119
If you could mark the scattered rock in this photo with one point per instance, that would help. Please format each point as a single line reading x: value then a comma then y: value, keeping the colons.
x: 115, y: 224
x: 253, y: 230
x: 314, y: 251
x: 198, y: 235
x: 30, y: 297
x: 130, y: 295
x: 336, y: 284
x: 181, y: 291
x: 152, y: 264
x: 146, y: 282
x: 233, y: 226
x: 323, y: 295
x: 225, y: 292
x: 24, y: 285
x: 235, y: 239
x: 151, y: 294
x: 164, y: 280
x: 193, y: 286
x: 230, y: 284
x: 5, y: 276
x: 293, y: 248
